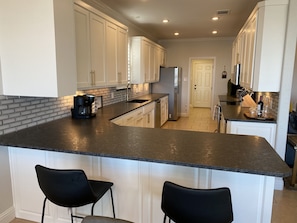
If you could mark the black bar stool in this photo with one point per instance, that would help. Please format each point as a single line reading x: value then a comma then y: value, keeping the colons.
x: 71, y: 188
x: 187, y: 205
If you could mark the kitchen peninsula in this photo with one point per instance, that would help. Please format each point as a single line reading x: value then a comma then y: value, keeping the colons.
x: 138, y: 161
x: 235, y: 119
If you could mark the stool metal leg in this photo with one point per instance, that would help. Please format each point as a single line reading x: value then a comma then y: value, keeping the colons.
x: 43, y: 209
x: 112, y: 203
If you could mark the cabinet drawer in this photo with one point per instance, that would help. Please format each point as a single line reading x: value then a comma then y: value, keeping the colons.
x: 147, y: 108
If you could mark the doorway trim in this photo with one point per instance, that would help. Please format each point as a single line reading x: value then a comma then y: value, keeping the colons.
x: 190, y: 79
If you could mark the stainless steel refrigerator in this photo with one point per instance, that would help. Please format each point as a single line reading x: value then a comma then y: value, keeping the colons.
x: 170, y: 82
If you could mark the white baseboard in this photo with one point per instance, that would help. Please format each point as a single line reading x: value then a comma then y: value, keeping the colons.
x: 8, y: 215
x: 184, y: 115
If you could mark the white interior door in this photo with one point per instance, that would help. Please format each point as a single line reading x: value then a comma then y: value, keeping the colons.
x: 202, y: 83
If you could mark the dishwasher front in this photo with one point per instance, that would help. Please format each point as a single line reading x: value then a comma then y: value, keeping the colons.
x: 158, y: 114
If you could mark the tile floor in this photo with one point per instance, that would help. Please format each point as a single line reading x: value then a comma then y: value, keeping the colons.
x: 200, y: 119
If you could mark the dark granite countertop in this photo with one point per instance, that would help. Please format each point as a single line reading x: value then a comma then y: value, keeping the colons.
x: 236, y: 113
x: 233, y: 112
x: 100, y: 137
x: 228, y: 98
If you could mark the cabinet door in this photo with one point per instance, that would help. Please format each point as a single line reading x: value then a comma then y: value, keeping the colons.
x: 149, y: 115
x: 138, y: 117
x: 248, y: 61
x: 152, y: 74
x: 162, y: 57
x: 157, y: 63
x: 250, y: 49
x: 37, y: 47
x: 111, y: 53
x: 97, y: 39
x: 266, y: 130
x: 149, y: 121
x: 83, y: 65
x: 242, y: 57
x: 145, y: 61
x: 122, y: 56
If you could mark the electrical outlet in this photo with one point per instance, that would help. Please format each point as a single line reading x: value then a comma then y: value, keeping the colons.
x: 112, y: 95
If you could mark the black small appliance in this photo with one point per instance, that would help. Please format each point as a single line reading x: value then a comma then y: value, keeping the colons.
x: 83, y: 107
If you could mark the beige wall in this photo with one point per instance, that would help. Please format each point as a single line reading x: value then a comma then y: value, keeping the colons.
x: 5, y: 182
x: 179, y: 53
x: 294, y: 85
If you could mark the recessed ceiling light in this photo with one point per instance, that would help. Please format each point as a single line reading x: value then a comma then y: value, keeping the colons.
x: 214, y: 32
x: 176, y: 34
x: 165, y: 20
x: 215, y: 18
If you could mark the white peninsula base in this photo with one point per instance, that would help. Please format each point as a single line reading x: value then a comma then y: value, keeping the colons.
x: 137, y: 187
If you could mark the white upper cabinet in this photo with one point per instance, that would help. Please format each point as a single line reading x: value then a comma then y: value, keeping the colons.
x: 111, y: 53
x: 146, y: 59
x: 102, y: 49
x: 37, y: 48
x: 116, y: 55
x: 97, y: 43
x: 122, y: 53
x: 89, y: 48
x: 259, y: 46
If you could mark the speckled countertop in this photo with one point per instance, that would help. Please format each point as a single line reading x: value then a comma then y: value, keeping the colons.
x: 100, y: 137
x: 228, y: 98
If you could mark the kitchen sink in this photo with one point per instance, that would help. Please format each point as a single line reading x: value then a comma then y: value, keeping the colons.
x: 137, y: 101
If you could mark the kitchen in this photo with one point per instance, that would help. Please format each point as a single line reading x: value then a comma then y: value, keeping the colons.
x: 222, y: 45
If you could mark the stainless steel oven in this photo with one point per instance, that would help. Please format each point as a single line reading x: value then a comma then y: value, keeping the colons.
x: 217, y: 116
x: 158, y: 114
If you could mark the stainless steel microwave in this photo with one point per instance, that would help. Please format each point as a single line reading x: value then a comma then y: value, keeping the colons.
x: 235, y: 75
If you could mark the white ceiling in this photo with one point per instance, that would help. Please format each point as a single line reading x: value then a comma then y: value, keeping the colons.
x: 191, y: 18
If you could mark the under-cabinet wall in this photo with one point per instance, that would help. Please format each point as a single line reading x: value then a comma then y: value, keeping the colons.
x: 22, y: 112
x: 6, y: 204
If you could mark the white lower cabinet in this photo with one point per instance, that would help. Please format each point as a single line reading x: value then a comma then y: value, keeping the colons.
x: 141, y: 117
x: 137, y: 187
x: 133, y: 118
x: 138, y: 117
x: 149, y: 115
x: 223, y: 125
x: 265, y: 130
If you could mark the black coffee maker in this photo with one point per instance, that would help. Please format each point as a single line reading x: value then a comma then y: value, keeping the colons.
x: 83, y: 107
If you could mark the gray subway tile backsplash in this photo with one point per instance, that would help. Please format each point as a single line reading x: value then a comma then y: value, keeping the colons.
x: 18, y: 113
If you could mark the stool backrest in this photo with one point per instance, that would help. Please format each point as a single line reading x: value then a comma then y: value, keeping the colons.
x: 67, y: 188
x: 187, y: 205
